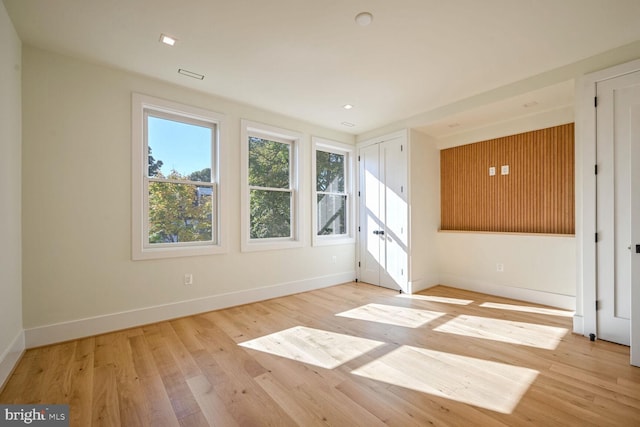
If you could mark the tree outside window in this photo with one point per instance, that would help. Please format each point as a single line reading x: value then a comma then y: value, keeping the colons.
x: 271, y: 197
x: 180, y: 200
x: 175, y: 187
x: 330, y: 193
x: 270, y: 200
x: 333, y: 210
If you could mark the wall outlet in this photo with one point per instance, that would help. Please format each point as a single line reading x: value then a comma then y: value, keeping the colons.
x: 504, y: 170
x: 492, y: 171
x: 188, y: 279
x: 500, y: 267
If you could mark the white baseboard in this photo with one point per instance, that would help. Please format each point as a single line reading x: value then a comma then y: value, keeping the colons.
x: 566, y: 302
x: 74, y: 329
x: 420, y: 285
x: 10, y: 357
x: 578, y: 324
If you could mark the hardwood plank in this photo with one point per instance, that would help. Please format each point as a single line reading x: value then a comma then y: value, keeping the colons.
x: 168, y: 385
x: 105, y: 408
x: 211, y: 406
x: 445, y: 357
x: 81, y: 383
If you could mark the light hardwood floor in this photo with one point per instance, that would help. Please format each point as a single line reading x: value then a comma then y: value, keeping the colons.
x: 348, y: 355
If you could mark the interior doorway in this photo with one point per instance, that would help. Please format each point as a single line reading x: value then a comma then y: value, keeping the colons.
x: 617, y: 99
x: 383, y: 214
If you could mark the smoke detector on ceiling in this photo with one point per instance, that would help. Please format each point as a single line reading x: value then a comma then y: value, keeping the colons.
x: 364, y: 18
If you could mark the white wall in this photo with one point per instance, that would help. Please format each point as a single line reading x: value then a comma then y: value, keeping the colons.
x: 77, y: 210
x: 424, y: 165
x: 537, y: 268
x: 11, y: 336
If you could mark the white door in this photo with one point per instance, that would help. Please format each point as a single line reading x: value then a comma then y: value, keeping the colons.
x: 634, y: 137
x: 618, y: 269
x: 383, y: 215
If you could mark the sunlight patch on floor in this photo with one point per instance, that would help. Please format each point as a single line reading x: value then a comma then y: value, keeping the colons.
x: 433, y: 298
x: 529, y: 334
x: 392, y: 315
x: 528, y: 309
x: 490, y: 385
x: 313, y: 346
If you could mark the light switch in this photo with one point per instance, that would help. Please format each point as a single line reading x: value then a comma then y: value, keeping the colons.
x: 504, y: 170
x: 492, y: 171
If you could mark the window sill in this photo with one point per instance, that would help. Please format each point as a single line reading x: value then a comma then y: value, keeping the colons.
x: 177, y: 252
x: 271, y: 245
x: 328, y: 241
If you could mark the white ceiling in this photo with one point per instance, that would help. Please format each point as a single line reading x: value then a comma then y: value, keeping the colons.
x: 307, y: 58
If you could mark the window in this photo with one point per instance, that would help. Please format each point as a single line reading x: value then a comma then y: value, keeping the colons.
x: 332, y: 199
x: 271, y: 196
x: 176, y: 191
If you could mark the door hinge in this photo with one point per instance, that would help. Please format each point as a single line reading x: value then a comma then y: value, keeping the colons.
x: 358, y: 263
x: 595, y: 101
x: 597, y: 305
x: 358, y: 194
x: 596, y: 237
x: 402, y: 188
x: 596, y: 169
x: 358, y: 228
x: 358, y: 158
x: 401, y: 147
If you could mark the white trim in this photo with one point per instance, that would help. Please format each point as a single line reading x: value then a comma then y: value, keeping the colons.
x: 10, y: 357
x: 420, y: 285
x: 398, y: 134
x: 586, y: 194
x: 74, y: 329
x: 578, y: 324
x: 566, y: 302
x: 318, y: 143
x: 139, y: 103
x: 297, y: 150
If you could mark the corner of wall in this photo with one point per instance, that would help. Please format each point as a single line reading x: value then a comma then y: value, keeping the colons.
x: 9, y: 359
x: 11, y: 331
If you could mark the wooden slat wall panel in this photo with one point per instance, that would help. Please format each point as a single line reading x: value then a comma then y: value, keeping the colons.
x: 536, y: 197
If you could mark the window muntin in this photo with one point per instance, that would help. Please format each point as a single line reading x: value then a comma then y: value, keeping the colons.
x: 180, y: 207
x: 271, y: 200
x: 270, y: 188
x: 331, y: 198
x: 176, y: 192
x: 332, y: 165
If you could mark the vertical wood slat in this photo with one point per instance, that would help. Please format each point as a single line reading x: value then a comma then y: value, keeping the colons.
x: 536, y: 197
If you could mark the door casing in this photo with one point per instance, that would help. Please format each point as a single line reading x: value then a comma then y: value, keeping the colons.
x: 383, y: 237
x: 585, y: 320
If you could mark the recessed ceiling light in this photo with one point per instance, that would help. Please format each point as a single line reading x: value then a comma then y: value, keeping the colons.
x: 530, y: 104
x: 168, y: 40
x: 347, y: 124
x: 347, y: 106
x: 364, y: 18
x: 190, y: 74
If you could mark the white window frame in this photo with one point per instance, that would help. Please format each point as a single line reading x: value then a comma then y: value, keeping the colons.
x: 249, y: 128
x: 321, y: 144
x: 141, y: 249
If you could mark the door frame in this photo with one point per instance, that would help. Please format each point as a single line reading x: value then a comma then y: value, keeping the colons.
x: 585, y: 320
x: 359, y: 146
